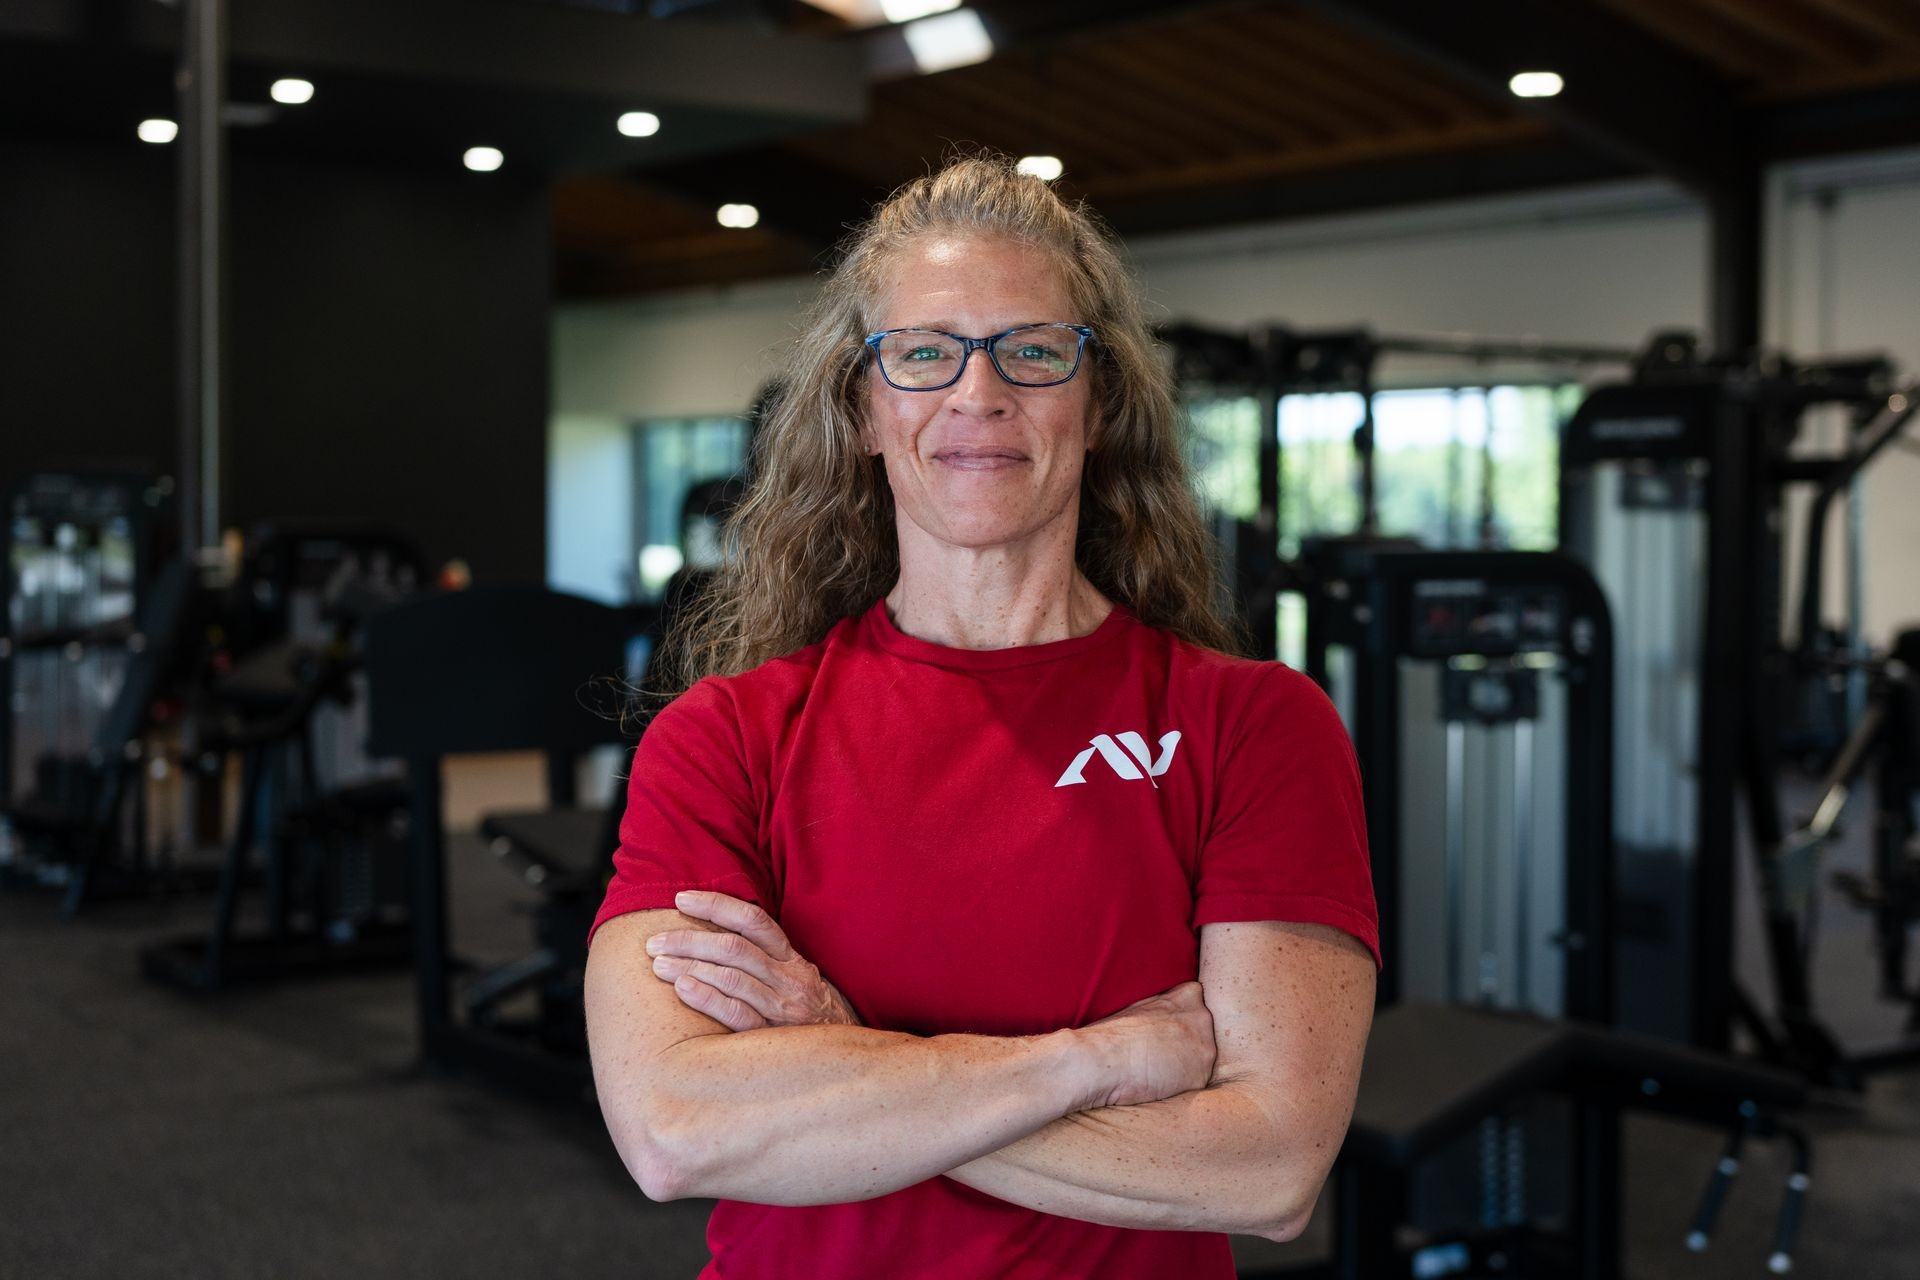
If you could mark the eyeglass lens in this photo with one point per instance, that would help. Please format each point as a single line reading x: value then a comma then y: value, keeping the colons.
x: 1033, y: 356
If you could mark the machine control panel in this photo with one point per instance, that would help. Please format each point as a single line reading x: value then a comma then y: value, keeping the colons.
x: 1460, y: 616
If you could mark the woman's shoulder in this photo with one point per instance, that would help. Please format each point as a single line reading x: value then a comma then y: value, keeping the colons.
x: 770, y: 691
x: 1237, y: 687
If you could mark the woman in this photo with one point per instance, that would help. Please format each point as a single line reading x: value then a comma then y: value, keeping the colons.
x: 899, y: 961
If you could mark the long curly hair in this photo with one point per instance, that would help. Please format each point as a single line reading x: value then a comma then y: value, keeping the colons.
x: 814, y: 541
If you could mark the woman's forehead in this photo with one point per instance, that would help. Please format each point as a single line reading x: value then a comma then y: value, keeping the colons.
x: 951, y: 277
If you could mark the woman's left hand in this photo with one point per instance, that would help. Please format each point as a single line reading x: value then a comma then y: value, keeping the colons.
x: 747, y: 975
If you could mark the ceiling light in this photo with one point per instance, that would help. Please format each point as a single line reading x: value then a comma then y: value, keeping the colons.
x: 639, y: 124
x: 158, y: 131
x: 908, y: 10
x: 1045, y: 168
x: 738, y: 216
x: 948, y: 40
x: 1536, y: 84
x: 483, y: 159
x: 292, y: 92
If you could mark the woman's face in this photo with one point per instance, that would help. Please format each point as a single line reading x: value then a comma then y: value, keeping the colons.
x: 981, y: 463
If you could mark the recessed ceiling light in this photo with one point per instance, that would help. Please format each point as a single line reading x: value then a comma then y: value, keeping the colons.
x: 483, y: 159
x: 291, y: 91
x: 737, y: 216
x: 639, y: 124
x: 948, y: 40
x: 158, y: 131
x: 908, y: 10
x: 1536, y: 84
x: 1045, y: 168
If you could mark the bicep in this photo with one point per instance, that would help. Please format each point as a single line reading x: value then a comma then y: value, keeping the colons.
x: 1291, y: 1006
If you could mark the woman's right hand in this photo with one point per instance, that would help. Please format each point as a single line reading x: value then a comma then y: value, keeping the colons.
x: 1152, y: 1049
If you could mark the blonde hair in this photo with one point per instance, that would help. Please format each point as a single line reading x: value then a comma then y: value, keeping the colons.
x: 814, y: 540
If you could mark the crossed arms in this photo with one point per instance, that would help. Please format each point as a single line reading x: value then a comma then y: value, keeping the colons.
x: 727, y: 1067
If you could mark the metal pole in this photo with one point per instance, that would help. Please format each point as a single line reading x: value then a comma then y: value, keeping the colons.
x: 1456, y: 850
x: 202, y: 236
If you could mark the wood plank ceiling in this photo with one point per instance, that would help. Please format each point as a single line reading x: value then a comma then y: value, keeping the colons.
x: 1202, y: 100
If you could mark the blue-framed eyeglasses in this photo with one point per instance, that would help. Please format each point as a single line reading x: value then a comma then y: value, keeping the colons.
x: 1033, y: 355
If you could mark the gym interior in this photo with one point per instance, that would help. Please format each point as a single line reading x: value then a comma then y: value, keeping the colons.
x: 379, y: 375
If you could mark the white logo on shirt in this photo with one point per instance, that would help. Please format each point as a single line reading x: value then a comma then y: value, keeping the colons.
x: 1124, y: 762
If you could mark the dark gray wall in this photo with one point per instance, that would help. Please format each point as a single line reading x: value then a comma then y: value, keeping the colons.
x: 389, y: 345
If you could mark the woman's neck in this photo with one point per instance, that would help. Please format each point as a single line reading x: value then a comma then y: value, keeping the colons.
x: 999, y: 598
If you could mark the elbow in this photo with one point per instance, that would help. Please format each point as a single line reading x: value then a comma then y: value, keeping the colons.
x: 1286, y: 1213
x: 659, y: 1176
x: 656, y: 1153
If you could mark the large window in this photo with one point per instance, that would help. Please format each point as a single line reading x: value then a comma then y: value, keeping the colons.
x: 1465, y: 466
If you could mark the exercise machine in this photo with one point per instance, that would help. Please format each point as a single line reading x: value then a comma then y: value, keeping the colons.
x: 1673, y: 487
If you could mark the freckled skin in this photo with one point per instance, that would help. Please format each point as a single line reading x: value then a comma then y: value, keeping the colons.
x: 986, y: 552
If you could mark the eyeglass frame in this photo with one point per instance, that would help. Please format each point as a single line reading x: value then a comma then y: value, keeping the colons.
x: 970, y: 345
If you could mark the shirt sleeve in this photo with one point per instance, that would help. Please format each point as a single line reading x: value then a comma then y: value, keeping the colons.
x: 1288, y: 839
x: 691, y: 820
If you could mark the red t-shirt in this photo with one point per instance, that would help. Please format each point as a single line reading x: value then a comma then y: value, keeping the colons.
x: 1002, y: 842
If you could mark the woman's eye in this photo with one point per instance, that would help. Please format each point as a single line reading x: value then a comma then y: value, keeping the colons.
x: 1034, y: 351
x: 923, y: 353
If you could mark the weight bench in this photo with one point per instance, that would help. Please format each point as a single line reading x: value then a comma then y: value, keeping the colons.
x: 1433, y: 1072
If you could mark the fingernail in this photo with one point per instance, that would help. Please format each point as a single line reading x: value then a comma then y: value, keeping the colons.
x: 655, y: 945
x: 662, y: 964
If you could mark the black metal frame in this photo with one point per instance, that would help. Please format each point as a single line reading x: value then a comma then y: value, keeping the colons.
x: 493, y: 669
x: 1739, y: 422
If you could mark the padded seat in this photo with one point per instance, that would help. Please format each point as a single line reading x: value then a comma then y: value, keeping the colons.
x: 1434, y: 1071
x: 555, y: 849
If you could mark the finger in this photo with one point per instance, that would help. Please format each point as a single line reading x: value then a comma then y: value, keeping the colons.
x: 743, y: 987
x: 731, y: 949
x: 733, y: 1014
x: 742, y: 917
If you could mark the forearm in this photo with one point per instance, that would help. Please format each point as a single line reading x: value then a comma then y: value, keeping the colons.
x: 1211, y: 1160
x: 824, y: 1114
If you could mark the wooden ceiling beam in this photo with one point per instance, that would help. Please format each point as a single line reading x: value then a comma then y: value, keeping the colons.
x: 1887, y: 20
x: 1305, y: 93
x: 1434, y: 99
x: 1131, y: 130
x: 1212, y: 117
x: 1202, y: 70
x: 1796, y: 26
x: 1709, y: 36
x: 1627, y: 91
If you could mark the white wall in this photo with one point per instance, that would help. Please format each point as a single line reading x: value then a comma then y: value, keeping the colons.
x: 686, y: 355
x: 1604, y: 265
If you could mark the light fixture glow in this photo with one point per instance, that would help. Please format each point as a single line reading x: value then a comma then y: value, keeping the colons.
x: 909, y: 10
x: 1536, y: 84
x: 291, y: 91
x: 738, y: 216
x: 158, y: 131
x: 1045, y: 168
x: 483, y: 159
x: 948, y: 40
x: 639, y: 124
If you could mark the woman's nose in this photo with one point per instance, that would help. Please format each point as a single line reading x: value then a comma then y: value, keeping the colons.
x: 981, y: 390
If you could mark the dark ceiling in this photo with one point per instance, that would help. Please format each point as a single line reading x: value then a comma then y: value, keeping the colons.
x: 1167, y: 115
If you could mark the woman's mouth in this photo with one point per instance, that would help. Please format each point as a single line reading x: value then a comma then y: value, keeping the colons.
x: 980, y: 459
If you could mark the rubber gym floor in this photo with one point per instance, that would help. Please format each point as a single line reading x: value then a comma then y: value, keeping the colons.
x: 290, y: 1133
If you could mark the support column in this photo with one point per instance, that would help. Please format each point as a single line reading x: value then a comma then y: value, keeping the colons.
x: 203, y: 298
x: 1735, y: 262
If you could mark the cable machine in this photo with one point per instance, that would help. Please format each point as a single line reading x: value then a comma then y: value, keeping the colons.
x: 1672, y: 491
